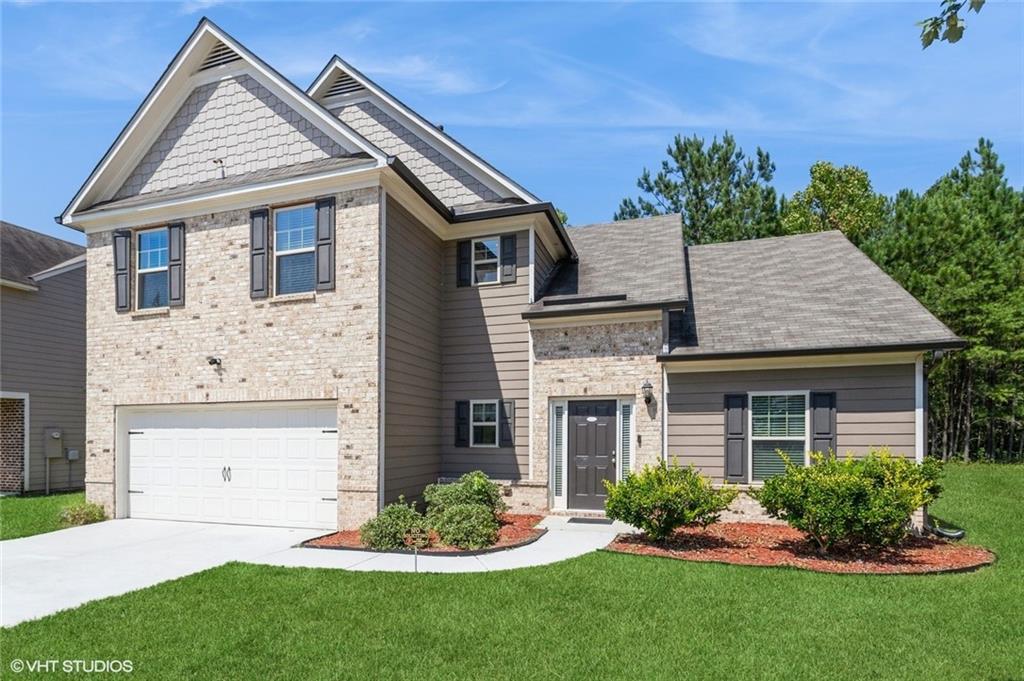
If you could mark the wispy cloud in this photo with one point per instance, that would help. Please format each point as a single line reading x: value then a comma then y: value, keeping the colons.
x: 196, y: 6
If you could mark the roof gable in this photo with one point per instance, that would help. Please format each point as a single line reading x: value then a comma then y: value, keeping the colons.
x: 209, y: 56
x: 226, y: 128
x: 450, y: 170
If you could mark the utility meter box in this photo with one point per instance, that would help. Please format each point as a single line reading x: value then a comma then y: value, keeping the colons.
x: 72, y: 454
x: 53, y: 443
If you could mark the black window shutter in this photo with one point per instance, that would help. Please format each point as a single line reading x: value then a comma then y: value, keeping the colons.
x: 464, y: 275
x: 736, y: 438
x: 508, y: 259
x: 259, y: 253
x: 325, y: 244
x: 507, y: 424
x: 122, y: 270
x: 823, y: 422
x: 176, y: 265
x: 462, y: 423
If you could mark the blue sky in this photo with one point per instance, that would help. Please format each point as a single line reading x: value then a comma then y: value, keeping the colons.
x: 572, y: 100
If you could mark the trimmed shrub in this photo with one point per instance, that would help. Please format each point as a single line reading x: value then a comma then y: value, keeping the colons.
x: 392, y: 526
x: 852, y: 502
x: 471, y: 488
x: 84, y: 513
x: 661, y: 499
x: 467, y: 526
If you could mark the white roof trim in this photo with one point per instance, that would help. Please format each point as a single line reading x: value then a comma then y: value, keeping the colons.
x: 60, y: 268
x: 174, y: 85
x: 245, y: 196
x: 448, y: 146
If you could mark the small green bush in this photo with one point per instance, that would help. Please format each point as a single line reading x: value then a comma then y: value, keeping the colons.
x: 471, y: 488
x: 393, y: 525
x: 82, y: 514
x: 467, y: 526
x: 661, y: 499
x: 851, y: 502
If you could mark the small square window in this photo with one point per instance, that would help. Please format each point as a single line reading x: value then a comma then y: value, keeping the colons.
x: 294, y: 254
x: 486, y: 255
x: 484, y: 424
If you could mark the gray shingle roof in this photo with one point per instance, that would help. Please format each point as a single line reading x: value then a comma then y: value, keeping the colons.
x: 629, y: 263
x: 808, y: 292
x: 24, y: 253
x: 269, y: 175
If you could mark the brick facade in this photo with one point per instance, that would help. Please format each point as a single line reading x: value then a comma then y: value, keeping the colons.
x: 602, y: 360
x: 12, y: 444
x: 314, y: 347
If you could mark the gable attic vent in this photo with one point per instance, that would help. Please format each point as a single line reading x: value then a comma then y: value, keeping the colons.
x: 343, y: 84
x: 220, y: 54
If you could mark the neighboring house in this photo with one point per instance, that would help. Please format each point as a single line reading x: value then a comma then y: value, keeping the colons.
x: 42, y: 362
x: 303, y: 304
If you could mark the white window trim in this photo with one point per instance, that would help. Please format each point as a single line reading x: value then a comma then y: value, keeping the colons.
x: 139, y: 271
x: 750, y: 427
x: 294, y: 251
x: 496, y: 260
x: 497, y: 424
x: 561, y: 502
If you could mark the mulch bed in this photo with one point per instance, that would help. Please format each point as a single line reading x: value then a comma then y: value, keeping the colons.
x: 781, y: 545
x: 516, y: 529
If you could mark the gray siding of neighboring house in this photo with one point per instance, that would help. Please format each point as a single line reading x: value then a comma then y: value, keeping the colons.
x: 874, y: 407
x: 543, y: 266
x: 42, y: 352
x: 412, y: 408
x: 485, y: 355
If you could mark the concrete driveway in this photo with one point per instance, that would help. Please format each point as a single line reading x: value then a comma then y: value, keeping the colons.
x: 46, y: 573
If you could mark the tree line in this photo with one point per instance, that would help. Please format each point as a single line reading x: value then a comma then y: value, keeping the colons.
x: 958, y: 247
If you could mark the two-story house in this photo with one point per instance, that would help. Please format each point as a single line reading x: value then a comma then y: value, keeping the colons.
x: 305, y: 303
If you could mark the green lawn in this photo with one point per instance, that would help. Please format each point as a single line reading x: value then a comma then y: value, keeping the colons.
x: 603, y: 615
x: 28, y: 515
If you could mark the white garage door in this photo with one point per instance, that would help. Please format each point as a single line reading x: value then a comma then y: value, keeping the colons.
x: 267, y: 464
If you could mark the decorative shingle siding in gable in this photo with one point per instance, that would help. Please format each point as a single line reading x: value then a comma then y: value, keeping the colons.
x: 236, y: 120
x: 441, y: 175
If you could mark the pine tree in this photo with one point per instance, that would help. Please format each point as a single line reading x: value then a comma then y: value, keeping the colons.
x: 721, y: 194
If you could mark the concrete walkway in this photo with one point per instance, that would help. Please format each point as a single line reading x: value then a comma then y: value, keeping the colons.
x: 562, y: 541
x: 51, y: 572
x: 46, y: 573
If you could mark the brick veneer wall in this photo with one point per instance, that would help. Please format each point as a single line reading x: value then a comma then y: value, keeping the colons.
x: 322, y: 347
x: 12, y: 444
x: 602, y: 360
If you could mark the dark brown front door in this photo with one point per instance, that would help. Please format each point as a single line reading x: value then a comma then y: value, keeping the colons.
x: 592, y: 435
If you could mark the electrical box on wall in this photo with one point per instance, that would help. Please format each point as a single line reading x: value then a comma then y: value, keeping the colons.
x: 72, y: 454
x: 53, y: 443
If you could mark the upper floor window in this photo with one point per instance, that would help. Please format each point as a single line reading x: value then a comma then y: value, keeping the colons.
x: 151, y: 268
x: 294, y: 244
x: 486, y: 256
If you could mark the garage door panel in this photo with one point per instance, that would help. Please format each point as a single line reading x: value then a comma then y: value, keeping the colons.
x: 263, y: 464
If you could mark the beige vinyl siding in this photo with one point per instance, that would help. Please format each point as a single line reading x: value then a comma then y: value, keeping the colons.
x: 543, y: 266
x: 485, y: 355
x: 412, y: 368
x: 42, y: 352
x: 874, y: 407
